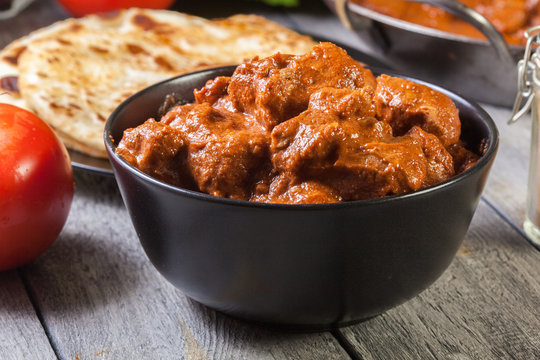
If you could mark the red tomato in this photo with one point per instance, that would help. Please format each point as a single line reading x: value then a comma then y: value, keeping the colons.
x: 36, y: 186
x: 84, y: 7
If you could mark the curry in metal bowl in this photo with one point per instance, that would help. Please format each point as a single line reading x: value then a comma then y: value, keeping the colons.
x: 511, y: 18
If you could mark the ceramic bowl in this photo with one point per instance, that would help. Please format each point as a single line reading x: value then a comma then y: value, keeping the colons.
x: 305, y: 266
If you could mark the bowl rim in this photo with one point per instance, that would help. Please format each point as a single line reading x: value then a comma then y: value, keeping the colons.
x: 360, y: 10
x: 484, y: 160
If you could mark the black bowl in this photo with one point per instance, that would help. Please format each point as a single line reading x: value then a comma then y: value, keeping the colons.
x: 311, y: 266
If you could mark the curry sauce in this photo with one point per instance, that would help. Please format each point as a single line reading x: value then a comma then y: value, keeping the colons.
x: 511, y: 17
x: 313, y: 128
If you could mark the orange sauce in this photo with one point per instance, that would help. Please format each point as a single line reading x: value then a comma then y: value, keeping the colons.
x: 511, y: 17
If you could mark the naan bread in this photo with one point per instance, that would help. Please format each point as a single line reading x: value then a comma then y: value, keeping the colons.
x: 74, y: 73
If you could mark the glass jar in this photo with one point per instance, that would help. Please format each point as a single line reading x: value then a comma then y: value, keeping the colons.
x: 528, y: 98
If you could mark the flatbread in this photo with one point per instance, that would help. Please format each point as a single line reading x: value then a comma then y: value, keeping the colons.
x: 74, y: 73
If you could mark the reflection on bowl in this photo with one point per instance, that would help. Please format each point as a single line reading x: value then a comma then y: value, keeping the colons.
x: 311, y: 266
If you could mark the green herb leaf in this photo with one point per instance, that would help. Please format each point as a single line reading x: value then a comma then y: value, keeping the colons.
x: 282, y: 2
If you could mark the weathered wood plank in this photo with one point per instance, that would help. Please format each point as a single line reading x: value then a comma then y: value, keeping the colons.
x: 507, y: 184
x: 99, y: 294
x: 485, y: 306
x: 21, y: 334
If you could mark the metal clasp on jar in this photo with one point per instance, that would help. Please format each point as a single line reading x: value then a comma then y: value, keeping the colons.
x: 527, y: 76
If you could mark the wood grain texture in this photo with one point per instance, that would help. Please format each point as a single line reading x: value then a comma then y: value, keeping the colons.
x: 21, y: 333
x: 507, y: 185
x: 485, y: 306
x: 99, y: 294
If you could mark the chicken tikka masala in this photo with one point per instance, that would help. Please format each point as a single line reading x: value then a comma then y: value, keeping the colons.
x: 297, y: 129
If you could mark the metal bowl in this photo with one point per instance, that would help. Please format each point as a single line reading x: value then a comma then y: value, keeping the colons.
x: 305, y: 266
x: 478, y: 69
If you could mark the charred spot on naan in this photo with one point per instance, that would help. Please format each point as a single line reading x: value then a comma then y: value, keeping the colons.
x: 10, y: 84
x: 13, y: 56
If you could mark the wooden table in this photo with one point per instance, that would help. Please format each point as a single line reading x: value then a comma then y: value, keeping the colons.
x: 95, y: 295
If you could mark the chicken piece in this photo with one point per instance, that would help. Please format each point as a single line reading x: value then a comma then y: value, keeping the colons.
x: 225, y: 150
x: 379, y: 169
x: 440, y: 164
x: 463, y: 158
x: 158, y: 150
x: 356, y: 158
x: 404, y: 104
x: 214, y: 92
x: 335, y: 117
x: 278, y: 88
x: 345, y: 103
x: 282, y: 190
